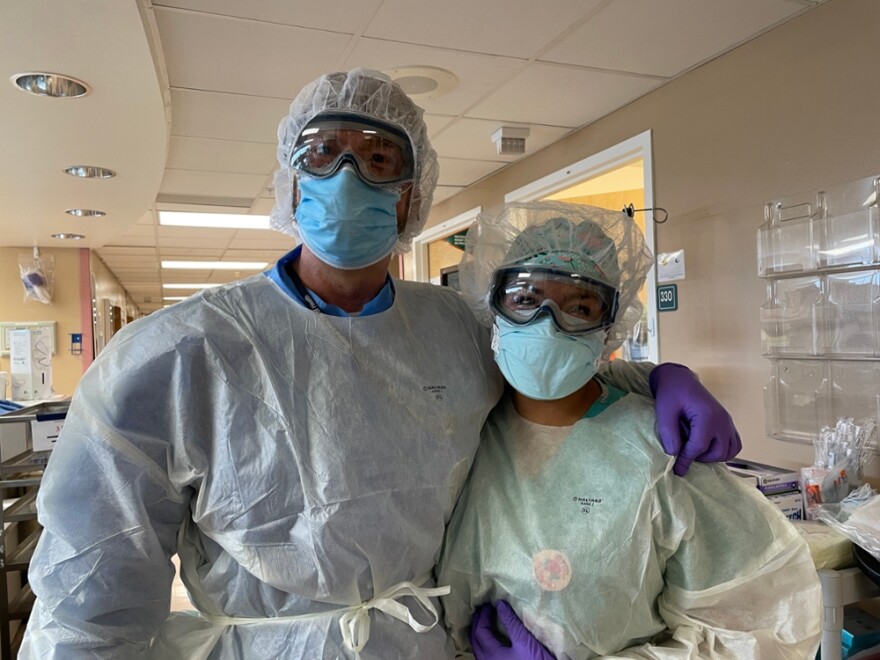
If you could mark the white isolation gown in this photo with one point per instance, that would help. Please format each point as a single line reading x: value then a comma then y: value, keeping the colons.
x: 603, y: 552
x: 298, y: 463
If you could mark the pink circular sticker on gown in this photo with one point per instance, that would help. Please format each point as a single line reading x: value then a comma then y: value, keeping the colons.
x: 552, y: 570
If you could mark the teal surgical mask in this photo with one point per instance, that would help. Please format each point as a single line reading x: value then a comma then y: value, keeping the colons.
x: 345, y: 222
x: 543, y: 363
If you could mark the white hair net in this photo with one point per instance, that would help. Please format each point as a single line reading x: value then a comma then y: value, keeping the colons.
x: 599, y: 243
x: 375, y: 95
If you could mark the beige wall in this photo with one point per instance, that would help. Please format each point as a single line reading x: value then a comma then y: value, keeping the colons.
x: 65, y: 310
x: 794, y: 110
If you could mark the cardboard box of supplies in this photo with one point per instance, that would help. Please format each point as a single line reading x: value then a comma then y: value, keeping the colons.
x: 791, y: 504
x: 767, y: 478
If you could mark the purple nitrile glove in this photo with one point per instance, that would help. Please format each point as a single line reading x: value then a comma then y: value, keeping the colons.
x: 693, y: 425
x: 486, y: 645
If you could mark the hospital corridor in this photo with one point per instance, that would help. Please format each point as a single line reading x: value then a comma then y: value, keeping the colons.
x: 439, y: 330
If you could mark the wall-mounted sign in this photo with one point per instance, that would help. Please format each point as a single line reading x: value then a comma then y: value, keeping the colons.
x: 670, y: 266
x: 457, y: 240
x: 667, y: 298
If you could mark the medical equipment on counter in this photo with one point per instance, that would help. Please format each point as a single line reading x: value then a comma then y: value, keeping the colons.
x: 841, y: 456
x: 857, y: 516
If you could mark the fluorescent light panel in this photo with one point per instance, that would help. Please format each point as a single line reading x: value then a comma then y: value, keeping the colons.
x: 215, y: 265
x: 189, y: 286
x: 215, y: 220
x: 174, y: 298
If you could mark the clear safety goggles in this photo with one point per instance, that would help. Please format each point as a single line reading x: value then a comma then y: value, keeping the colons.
x: 380, y: 153
x: 577, y: 304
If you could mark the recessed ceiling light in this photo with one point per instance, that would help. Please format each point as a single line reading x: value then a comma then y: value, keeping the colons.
x: 50, y: 84
x: 68, y: 237
x: 424, y: 82
x: 174, y: 298
x: 215, y: 220
x: 188, y: 286
x: 85, y: 213
x: 89, y: 172
x: 216, y: 265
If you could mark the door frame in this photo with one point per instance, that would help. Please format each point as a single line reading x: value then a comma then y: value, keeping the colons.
x: 421, y: 271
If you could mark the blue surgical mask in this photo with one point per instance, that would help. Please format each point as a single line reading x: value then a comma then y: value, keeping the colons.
x: 345, y: 222
x: 543, y: 363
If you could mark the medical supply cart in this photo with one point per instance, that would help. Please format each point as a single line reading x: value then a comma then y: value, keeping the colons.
x: 26, y: 437
x: 841, y: 587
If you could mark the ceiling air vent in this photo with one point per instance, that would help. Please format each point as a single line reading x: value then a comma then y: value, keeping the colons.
x: 510, y: 140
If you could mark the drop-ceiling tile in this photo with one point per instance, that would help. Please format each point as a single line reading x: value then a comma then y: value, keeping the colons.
x: 339, y: 16
x: 224, y: 277
x: 211, y: 184
x: 178, y: 253
x: 227, y: 116
x: 131, y: 275
x: 515, y: 28
x: 666, y: 38
x: 187, y: 274
x: 472, y: 139
x: 138, y: 241
x: 442, y: 193
x: 255, y: 234
x: 462, y: 173
x: 220, y: 156
x: 270, y: 256
x: 477, y: 74
x: 144, y: 288
x: 148, y: 218
x: 137, y: 230
x: 437, y: 123
x: 125, y: 251
x: 129, y: 263
x: 218, y: 243
x: 561, y: 96
x: 262, y: 206
x: 278, y: 242
x: 189, y: 291
x: 209, y: 52
x: 213, y: 234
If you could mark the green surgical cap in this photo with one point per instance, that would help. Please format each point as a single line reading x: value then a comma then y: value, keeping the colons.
x: 598, y: 243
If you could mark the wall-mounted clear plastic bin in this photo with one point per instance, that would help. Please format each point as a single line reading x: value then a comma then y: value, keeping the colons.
x: 798, y: 399
x: 852, y: 314
x: 787, y: 245
x: 792, y: 319
x: 820, y: 324
x: 850, y: 240
x: 835, y: 228
x: 835, y: 314
x: 855, y: 389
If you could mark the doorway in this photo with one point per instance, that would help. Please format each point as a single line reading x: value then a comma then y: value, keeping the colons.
x: 437, y: 251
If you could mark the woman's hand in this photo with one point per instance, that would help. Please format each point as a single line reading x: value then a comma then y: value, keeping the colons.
x: 693, y: 425
x: 487, y: 646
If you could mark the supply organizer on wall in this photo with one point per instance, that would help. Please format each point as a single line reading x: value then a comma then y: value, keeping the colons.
x: 820, y: 327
